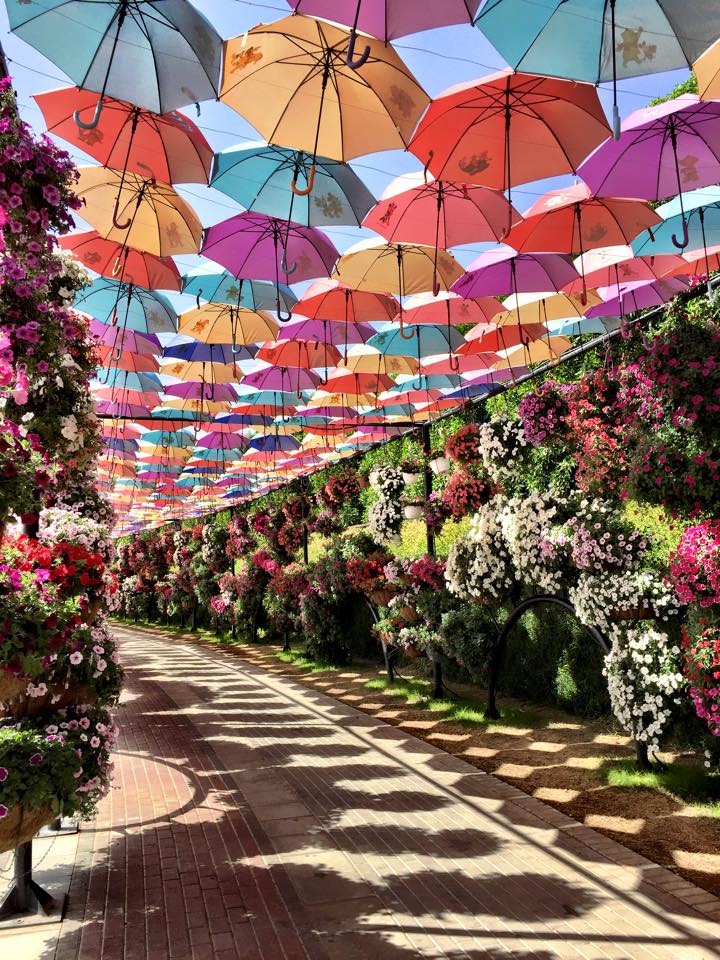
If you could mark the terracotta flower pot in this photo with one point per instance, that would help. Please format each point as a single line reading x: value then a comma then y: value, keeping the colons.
x: 382, y: 597
x: 22, y: 824
x: 409, y: 614
x: 413, y: 652
x: 363, y: 482
x: 632, y: 613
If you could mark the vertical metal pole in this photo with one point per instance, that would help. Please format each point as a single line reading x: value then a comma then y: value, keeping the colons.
x: 438, y: 691
x: 429, y: 535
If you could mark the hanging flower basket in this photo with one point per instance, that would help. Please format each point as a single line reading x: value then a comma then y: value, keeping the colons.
x: 439, y: 463
x: 22, y: 824
x: 409, y: 614
x: 16, y: 702
x: 90, y: 614
x: 362, y: 481
x: 413, y: 511
x: 632, y: 613
x: 382, y: 598
x: 413, y: 651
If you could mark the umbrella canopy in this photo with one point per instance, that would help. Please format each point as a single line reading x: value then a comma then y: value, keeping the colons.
x: 538, y: 308
x: 158, y: 55
x: 615, y: 265
x: 400, y: 268
x: 596, y: 41
x: 202, y: 390
x: 374, y: 361
x: 697, y: 262
x: 290, y: 79
x: 694, y: 217
x: 125, y: 360
x: 419, y: 341
x: 502, y: 270
x: 115, y: 338
x: 138, y: 213
x: 260, y: 177
x: 209, y: 371
x: 387, y: 19
x: 448, y: 307
x: 112, y: 259
x: 632, y: 297
x: 571, y: 220
x: 287, y: 377
x: 194, y: 350
x: 299, y: 353
x: 501, y: 338
x: 707, y: 70
x: 327, y: 331
x: 253, y: 245
x: 331, y: 300
x: 127, y: 307
x: 167, y: 147
x: 441, y: 213
x: 219, y: 323
x: 207, y: 282
x: 509, y: 128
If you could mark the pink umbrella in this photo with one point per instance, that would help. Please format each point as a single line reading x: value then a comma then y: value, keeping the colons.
x: 637, y: 296
x: 131, y: 411
x: 662, y: 151
x: 327, y: 331
x: 448, y: 307
x: 440, y: 213
x: 502, y: 271
x: 697, y: 262
x: 610, y: 266
x: 258, y: 247
x: 386, y: 19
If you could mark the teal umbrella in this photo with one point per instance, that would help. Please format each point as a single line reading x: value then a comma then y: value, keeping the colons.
x: 127, y: 307
x: 698, y: 210
x: 434, y: 381
x: 220, y: 286
x: 287, y: 184
x: 419, y: 340
x: 168, y: 438
x: 129, y: 380
x: 156, y: 54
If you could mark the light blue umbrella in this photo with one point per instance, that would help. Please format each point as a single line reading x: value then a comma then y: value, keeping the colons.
x: 129, y: 380
x: 577, y: 327
x: 261, y: 177
x: 220, y: 286
x: 599, y: 40
x: 702, y: 216
x: 127, y: 307
x: 433, y: 381
x: 157, y: 54
x: 419, y: 340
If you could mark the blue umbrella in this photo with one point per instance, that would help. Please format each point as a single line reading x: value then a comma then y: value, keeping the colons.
x: 574, y: 328
x: 272, y: 442
x: 220, y: 286
x: 126, y: 446
x: 195, y: 351
x: 128, y: 380
x: 127, y: 307
x: 157, y: 55
x: 435, y: 381
x: 599, y: 40
x: 287, y: 184
x: 271, y: 397
x: 420, y: 340
x: 171, y: 413
x: 702, y: 216
x: 243, y: 419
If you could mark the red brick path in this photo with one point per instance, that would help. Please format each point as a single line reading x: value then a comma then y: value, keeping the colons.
x: 255, y: 818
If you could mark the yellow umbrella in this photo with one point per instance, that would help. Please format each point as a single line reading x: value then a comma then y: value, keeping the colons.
x: 375, y: 362
x: 707, y: 70
x: 220, y: 323
x: 541, y: 307
x: 535, y: 352
x: 204, y: 406
x: 138, y: 213
x: 210, y: 372
x: 291, y: 81
x: 400, y: 268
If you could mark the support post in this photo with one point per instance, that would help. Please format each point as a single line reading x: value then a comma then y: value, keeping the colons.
x: 25, y: 898
x: 427, y: 479
x: 193, y: 621
x: 438, y: 687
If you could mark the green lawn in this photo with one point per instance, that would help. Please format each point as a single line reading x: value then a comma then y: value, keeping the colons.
x: 685, y: 782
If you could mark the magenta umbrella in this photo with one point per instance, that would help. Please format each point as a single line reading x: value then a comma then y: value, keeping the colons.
x: 130, y: 411
x: 198, y: 390
x: 328, y: 331
x: 282, y: 378
x: 221, y: 441
x: 387, y: 19
x: 637, y: 296
x: 502, y: 271
x: 253, y: 246
x: 122, y: 339
x: 662, y: 151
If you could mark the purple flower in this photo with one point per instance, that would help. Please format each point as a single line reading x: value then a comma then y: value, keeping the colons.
x: 3, y: 811
x: 3, y: 774
x: 35, y: 759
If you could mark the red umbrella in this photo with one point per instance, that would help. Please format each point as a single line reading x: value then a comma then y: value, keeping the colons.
x: 612, y: 266
x: 331, y: 300
x: 448, y: 307
x: 510, y: 128
x: 167, y: 147
x: 299, y: 353
x: 697, y: 262
x: 352, y: 383
x: 502, y: 338
x: 462, y: 365
x: 125, y: 360
x: 111, y: 259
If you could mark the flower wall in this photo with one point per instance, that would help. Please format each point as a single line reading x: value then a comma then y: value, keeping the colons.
x: 59, y: 671
x: 573, y: 489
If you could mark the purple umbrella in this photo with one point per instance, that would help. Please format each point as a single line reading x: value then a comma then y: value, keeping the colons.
x: 638, y: 296
x: 130, y: 411
x: 124, y: 339
x: 282, y: 378
x: 221, y: 441
x: 387, y: 19
x: 662, y: 151
x: 254, y: 246
x: 501, y: 270
x: 197, y: 390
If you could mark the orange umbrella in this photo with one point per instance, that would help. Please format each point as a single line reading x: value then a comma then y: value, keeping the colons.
x: 509, y: 128
x: 166, y: 147
x: 299, y: 353
x: 112, y: 259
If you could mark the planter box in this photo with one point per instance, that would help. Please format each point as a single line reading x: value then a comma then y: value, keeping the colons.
x: 382, y: 597
x: 410, y: 478
x: 22, y: 824
x: 409, y: 614
x: 15, y: 702
x: 440, y: 465
x: 632, y: 613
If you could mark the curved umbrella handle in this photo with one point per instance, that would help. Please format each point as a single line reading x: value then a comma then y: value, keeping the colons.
x: 116, y: 212
x: 287, y: 270
x: 116, y: 354
x: 165, y: 445
x: 435, y: 285
x: 116, y: 267
x: 89, y: 124
x: 310, y: 183
x: 349, y: 59
x: 278, y: 310
x: 431, y: 154
x: 681, y: 244
x: 454, y: 363
x: 211, y: 396
x: 405, y: 336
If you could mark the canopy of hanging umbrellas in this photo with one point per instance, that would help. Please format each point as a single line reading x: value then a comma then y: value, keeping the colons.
x: 289, y: 355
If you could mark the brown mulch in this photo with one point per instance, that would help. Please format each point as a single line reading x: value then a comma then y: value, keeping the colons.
x: 559, y: 760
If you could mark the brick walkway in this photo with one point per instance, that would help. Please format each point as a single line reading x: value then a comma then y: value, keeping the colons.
x: 255, y: 818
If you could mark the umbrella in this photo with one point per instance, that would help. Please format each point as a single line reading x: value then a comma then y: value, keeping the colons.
x: 220, y: 286
x: 195, y: 350
x: 428, y: 339
x: 125, y: 360
x: 462, y: 365
x: 112, y: 259
x: 159, y: 55
x: 138, y: 213
x: 695, y: 214
x: 203, y: 390
x: 616, y: 265
x: 583, y: 325
x: 502, y: 270
x: 597, y: 40
x: 331, y: 302
x: 662, y: 151
x: 209, y: 371
x: 299, y: 353
x: 282, y: 378
x: 219, y: 323
x: 707, y: 69
x: 697, y: 262
x: 501, y: 338
x: 261, y: 177
x: 509, y: 128
x: 261, y: 247
x: 166, y: 147
x: 441, y: 213
x: 368, y: 360
x: 538, y: 308
x: 127, y: 307
x: 449, y: 308
x: 632, y: 297
x: 291, y: 81
x: 131, y: 341
x: 327, y: 331
x: 538, y: 351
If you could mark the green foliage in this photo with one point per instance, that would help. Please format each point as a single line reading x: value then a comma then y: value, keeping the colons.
x: 682, y: 781
x: 685, y: 86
